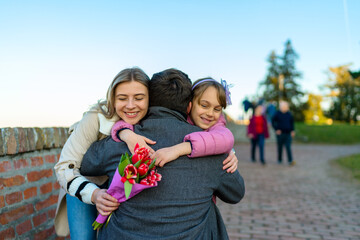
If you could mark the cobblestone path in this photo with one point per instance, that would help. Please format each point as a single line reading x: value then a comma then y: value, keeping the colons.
x: 311, y: 200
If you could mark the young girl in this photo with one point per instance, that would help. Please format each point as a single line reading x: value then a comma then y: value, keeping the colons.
x: 209, y: 98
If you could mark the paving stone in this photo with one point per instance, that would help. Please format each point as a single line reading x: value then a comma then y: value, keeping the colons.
x: 311, y: 200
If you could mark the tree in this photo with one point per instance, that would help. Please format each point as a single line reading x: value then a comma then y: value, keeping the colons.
x: 314, y: 113
x: 281, y: 81
x: 346, y: 101
x: 291, y: 90
x: 271, y: 82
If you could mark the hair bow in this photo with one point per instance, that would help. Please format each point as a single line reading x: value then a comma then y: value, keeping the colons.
x: 227, y: 91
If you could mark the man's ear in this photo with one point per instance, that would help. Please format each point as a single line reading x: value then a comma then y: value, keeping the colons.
x: 188, y: 109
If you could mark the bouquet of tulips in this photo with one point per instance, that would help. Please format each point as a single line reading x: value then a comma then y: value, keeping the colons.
x: 133, y: 175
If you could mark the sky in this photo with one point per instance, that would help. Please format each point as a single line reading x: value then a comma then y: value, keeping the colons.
x: 57, y: 58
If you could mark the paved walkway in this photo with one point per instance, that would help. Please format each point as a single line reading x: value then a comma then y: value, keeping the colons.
x: 311, y: 200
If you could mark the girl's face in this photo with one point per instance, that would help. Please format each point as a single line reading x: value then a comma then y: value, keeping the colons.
x: 258, y: 111
x: 131, y: 101
x: 206, y: 112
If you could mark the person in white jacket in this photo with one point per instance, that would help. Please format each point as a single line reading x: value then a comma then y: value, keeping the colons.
x: 127, y: 99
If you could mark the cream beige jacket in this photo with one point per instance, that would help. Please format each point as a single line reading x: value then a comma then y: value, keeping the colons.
x: 92, y: 127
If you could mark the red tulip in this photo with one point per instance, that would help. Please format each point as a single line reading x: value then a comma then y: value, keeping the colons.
x: 143, y: 169
x: 141, y: 154
x: 155, y: 176
x: 145, y: 182
x: 130, y: 174
x: 151, y: 179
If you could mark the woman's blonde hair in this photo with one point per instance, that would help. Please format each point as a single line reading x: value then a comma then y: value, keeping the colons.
x: 202, y: 84
x: 107, y: 107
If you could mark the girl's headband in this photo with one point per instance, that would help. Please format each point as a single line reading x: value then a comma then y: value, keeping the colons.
x: 223, y: 83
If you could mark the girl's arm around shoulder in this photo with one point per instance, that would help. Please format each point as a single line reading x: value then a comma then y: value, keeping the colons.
x: 168, y: 154
x: 216, y: 140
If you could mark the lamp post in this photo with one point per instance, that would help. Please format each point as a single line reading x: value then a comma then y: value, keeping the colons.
x: 281, y: 86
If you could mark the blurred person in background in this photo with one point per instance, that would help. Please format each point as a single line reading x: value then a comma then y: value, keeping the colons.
x: 283, y: 123
x: 258, y: 131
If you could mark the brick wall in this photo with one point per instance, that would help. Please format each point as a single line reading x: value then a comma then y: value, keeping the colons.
x: 28, y: 186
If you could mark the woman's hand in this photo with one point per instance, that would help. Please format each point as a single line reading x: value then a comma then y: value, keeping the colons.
x: 105, y: 203
x: 231, y: 162
x: 131, y: 139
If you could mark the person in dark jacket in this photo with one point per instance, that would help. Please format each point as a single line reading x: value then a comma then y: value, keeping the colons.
x: 257, y: 132
x: 283, y: 123
x: 181, y: 206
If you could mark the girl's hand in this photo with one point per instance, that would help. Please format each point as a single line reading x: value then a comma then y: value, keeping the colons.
x: 105, y: 203
x: 230, y: 163
x: 169, y: 154
x: 131, y: 139
x: 164, y: 155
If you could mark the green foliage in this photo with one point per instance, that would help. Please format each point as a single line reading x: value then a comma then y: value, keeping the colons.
x: 127, y: 187
x: 281, y: 81
x: 97, y: 225
x: 137, y: 164
x: 351, y: 163
x: 334, y: 134
x: 346, y: 98
x: 124, y: 161
x: 152, y: 164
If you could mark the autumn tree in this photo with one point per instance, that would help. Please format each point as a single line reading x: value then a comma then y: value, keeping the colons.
x: 346, y: 100
x: 314, y: 113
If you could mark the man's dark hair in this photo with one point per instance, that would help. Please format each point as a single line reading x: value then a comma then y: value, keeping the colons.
x: 170, y: 88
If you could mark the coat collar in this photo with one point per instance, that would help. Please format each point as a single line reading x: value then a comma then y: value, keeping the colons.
x: 160, y: 112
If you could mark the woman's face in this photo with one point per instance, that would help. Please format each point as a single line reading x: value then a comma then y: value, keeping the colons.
x: 206, y: 112
x: 131, y: 101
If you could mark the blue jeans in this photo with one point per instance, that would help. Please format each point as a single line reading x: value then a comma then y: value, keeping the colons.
x: 258, y: 140
x: 80, y: 217
x: 284, y: 139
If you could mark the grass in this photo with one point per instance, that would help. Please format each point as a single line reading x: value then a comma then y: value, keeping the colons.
x: 352, y: 163
x: 337, y: 133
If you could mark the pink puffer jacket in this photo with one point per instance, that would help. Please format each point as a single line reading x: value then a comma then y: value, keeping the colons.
x: 213, y: 141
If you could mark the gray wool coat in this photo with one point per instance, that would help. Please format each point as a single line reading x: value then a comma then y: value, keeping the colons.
x: 181, y: 206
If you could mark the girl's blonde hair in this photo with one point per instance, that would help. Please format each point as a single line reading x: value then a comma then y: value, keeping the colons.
x: 107, y: 107
x: 202, y: 84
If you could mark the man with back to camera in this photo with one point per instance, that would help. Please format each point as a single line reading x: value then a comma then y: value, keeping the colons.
x: 181, y: 206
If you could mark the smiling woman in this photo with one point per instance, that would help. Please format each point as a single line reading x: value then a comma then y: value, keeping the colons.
x: 131, y: 101
x: 128, y: 99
